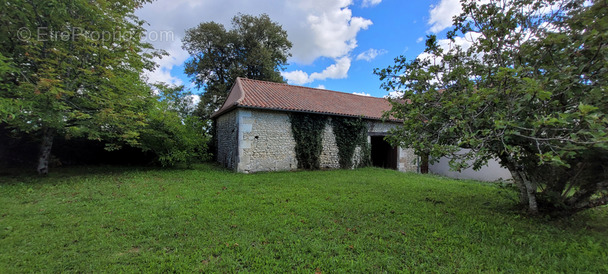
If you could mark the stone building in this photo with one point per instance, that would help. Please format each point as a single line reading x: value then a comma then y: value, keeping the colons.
x: 254, y: 131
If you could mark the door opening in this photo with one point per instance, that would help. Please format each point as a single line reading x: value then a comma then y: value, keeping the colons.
x: 383, y: 154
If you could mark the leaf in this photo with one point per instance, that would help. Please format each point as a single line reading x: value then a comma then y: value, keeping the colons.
x: 586, y: 109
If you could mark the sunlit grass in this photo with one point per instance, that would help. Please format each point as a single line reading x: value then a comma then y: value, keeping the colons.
x: 209, y: 219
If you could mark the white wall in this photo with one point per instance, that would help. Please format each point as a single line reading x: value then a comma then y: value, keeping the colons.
x: 489, y: 173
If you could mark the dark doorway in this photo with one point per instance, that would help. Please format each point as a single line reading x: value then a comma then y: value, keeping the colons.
x: 383, y: 154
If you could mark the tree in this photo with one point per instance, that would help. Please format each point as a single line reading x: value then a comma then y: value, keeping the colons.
x: 8, y: 106
x: 73, y: 68
x: 176, y: 98
x: 255, y: 47
x: 530, y: 91
x: 172, y: 132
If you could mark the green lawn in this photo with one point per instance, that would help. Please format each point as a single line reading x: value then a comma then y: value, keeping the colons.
x: 209, y: 219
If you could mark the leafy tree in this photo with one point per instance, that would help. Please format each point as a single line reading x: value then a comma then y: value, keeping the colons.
x: 530, y: 91
x: 172, y: 132
x: 8, y: 106
x: 73, y: 68
x: 176, y: 98
x: 255, y: 47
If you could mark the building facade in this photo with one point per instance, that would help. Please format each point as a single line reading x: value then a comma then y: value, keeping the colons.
x: 254, y: 130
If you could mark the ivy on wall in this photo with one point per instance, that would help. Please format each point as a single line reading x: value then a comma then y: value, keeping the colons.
x: 350, y: 133
x: 307, y: 132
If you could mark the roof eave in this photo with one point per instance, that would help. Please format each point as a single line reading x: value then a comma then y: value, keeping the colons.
x: 217, y: 114
x: 223, y: 111
x: 236, y: 87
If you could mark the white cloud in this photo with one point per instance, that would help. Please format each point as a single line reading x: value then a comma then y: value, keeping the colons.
x: 321, y: 87
x: 420, y: 39
x: 194, y: 99
x: 395, y: 94
x: 339, y: 70
x: 465, y: 42
x: 362, y: 94
x: 441, y: 18
x: 441, y: 14
x: 370, y: 3
x: 334, y: 31
x: 370, y: 54
x: 296, y: 77
x: 176, y: 57
x: 317, y: 28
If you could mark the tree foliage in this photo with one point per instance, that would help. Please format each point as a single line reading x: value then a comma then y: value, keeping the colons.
x: 76, y: 70
x: 73, y: 68
x: 255, y: 48
x: 172, y: 132
x: 530, y: 91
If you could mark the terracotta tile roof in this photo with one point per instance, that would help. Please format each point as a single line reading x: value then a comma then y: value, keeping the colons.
x: 248, y: 93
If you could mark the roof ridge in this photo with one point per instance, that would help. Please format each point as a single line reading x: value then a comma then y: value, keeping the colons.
x: 319, y: 89
x: 258, y: 94
x: 238, y: 83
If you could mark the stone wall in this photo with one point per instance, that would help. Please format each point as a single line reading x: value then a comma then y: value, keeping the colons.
x: 407, y: 160
x: 227, y: 130
x: 261, y: 140
x: 329, y: 155
x: 379, y: 127
x: 265, y: 141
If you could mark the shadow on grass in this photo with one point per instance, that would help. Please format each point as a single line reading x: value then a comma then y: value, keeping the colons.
x: 10, y: 176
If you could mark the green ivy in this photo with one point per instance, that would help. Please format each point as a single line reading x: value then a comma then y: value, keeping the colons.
x: 307, y: 132
x: 350, y: 133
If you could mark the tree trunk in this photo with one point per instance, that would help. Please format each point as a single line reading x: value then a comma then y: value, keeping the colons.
x: 581, y: 199
x: 45, y: 151
x: 519, y: 182
x: 531, y: 192
x: 424, y: 163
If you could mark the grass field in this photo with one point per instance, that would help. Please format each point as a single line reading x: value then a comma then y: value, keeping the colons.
x: 208, y: 219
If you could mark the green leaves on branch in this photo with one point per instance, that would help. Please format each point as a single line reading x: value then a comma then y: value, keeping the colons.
x: 530, y: 90
x: 87, y: 81
x: 79, y: 83
x: 172, y: 133
x: 255, y: 47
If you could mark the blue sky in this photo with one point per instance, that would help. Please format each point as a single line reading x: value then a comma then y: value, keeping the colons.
x: 337, y: 43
